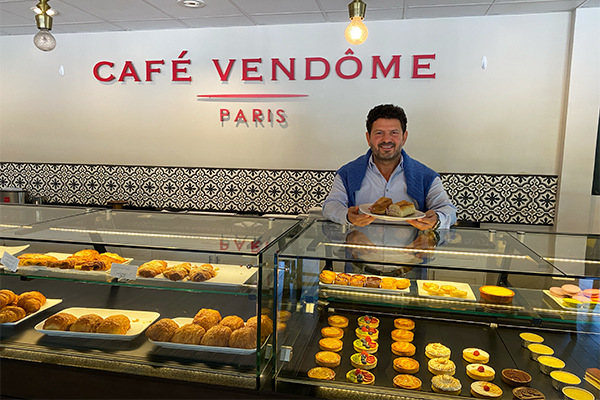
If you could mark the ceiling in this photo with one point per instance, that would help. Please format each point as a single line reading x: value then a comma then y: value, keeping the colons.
x: 77, y: 16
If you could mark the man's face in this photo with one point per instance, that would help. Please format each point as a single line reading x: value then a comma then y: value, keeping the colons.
x: 386, y: 139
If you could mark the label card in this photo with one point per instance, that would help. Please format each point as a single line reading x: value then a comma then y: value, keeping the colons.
x: 9, y: 261
x: 123, y: 271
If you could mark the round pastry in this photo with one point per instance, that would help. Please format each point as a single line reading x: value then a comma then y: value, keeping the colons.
x: 446, y: 384
x: 361, y: 376
x: 530, y: 338
x: 571, y: 290
x: 404, y: 381
x: 474, y: 355
x: 405, y: 365
x: 404, y: 349
x: 243, y: 338
x: 190, y: 334
x: 557, y: 292
x: 441, y: 366
x: 447, y: 289
x: 266, y: 325
x: 330, y: 344
x: 402, y: 283
x: 485, y: 390
x: 480, y: 372
x: 373, y: 282
x: 496, y: 294
x: 429, y: 286
x: 371, y: 322
x: 217, y: 336
x: 461, y: 294
x: 328, y: 359
x: 549, y: 364
x: 388, y: 283
x: 515, y: 377
x: 321, y: 373
x: 576, y: 393
x: 162, y: 331
x: 86, y: 323
x: 207, y: 318
x: 527, y: 393
x: 338, y: 321
x: 60, y: 322
x: 342, y: 279
x: 404, y: 323
x: 284, y: 316
x: 332, y: 332
x: 327, y: 277
x: 233, y: 322
x: 402, y: 335
x: 437, y: 350
x: 358, y: 280
x: 365, y: 344
x: 363, y: 360
x: 281, y: 326
x: 365, y: 331
x: 539, y: 350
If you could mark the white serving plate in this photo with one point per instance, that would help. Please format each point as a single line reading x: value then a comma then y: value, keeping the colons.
x: 12, y: 250
x: 49, y: 303
x: 140, y: 320
x: 226, y: 275
x: 461, y: 286
x: 363, y: 288
x: 364, y: 208
x: 62, y: 256
x: 196, y: 347
x: 584, y: 308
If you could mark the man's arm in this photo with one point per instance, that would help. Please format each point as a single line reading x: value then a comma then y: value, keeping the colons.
x: 439, y: 207
x: 335, y: 207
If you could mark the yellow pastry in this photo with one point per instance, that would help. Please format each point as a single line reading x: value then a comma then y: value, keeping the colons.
x: 401, y: 335
x: 328, y: 359
x: 446, y: 384
x: 330, y: 344
x: 338, y: 321
x: 365, y: 344
x: 485, y: 390
x: 402, y: 283
x: 404, y: 323
x: 405, y: 365
x: 437, y: 350
x: 404, y: 349
x: 474, y: 355
x: 364, y: 331
x: 388, y: 283
x: 321, y: 373
x: 332, y: 332
x: 441, y: 366
x: 448, y: 288
x: 480, y: 372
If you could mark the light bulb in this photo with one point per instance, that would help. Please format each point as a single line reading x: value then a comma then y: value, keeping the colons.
x: 44, y: 40
x: 356, y: 31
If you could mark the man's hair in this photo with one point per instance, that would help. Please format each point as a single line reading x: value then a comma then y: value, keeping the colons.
x: 386, y: 111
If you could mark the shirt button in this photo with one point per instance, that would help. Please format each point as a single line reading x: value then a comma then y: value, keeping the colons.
x: 387, y: 190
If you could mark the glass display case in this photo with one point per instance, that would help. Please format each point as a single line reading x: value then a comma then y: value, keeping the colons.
x: 214, y: 262
x: 405, y: 302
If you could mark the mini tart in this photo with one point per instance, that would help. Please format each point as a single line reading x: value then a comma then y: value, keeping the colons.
x: 515, y: 377
x: 358, y: 280
x: 388, y: 283
x: 404, y: 323
x: 429, y: 286
x: 327, y: 277
x: 364, y: 331
x: 474, y: 355
x: 405, y: 365
x: 338, y: 321
x: 330, y: 344
x: 480, y: 372
x: 328, y: 359
x: 527, y: 393
x: 485, y: 390
x: 284, y: 316
x: 372, y: 322
x: 363, y: 360
x: 404, y: 381
x: 342, y: 279
x: 446, y: 384
x: 448, y: 288
x: 496, y: 294
x: 461, y: 294
x: 321, y: 373
x: 441, y: 366
x: 404, y: 349
x: 369, y: 346
x: 360, y: 376
x: 402, y: 283
x: 437, y: 350
x: 332, y: 332
x: 402, y: 335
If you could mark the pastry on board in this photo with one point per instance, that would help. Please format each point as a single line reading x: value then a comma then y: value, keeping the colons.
x: 59, y: 322
x: 87, y: 323
x: 218, y: 336
x: 117, y: 324
x: 243, y: 338
x: 321, y: 373
x: 328, y: 359
x: 188, y: 334
x: 162, y: 330
x: 152, y: 268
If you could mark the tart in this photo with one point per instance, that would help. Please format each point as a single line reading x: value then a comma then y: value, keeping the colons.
x: 330, y: 344
x: 321, y: 373
x: 437, y: 350
x: 371, y: 322
x: 373, y: 282
x: 515, y: 377
x: 447, y: 289
x: 496, y: 294
x: 338, y: 321
x: 388, y: 283
x: 365, y: 331
x: 342, y: 279
x: 461, y: 294
x: 441, y: 366
x: 404, y: 323
x: 527, y: 393
x: 360, y: 376
x: 560, y: 379
x: 405, y: 365
x: 539, y: 350
x: 402, y: 335
x: 327, y: 276
x: 528, y: 338
x: 446, y: 384
x: 404, y: 349
x: 429, y: 286
x: 358, y: 280
x: 332, y: 332
x: 402, y: 283
x: 365, y: 344
x: 474, y: 355
x: 480, y: 372
x: 363, y: 360
x: 404, y: 381
x: 549, y: 364
x: 328, y: 359
x: 485, y: 390
x: 575, y: 393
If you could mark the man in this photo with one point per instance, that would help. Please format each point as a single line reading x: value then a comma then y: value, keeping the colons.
x: 387, y: 171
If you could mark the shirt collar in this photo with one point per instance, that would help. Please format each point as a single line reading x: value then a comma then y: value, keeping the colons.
x: 373, y: 168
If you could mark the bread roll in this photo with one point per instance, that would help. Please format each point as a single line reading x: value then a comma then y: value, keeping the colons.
x: 401, y: 209
x: 152, y: 268
x: 115, y: 324
x: 266, y: 325
x: 178, y: 272
x: 11, y: 314
x: 162, y: 331
x: 381, y: 205
x: 59, y: 322
x: 31, y: 301
x: 86, y: 323
x: 188, y: 334
x: 218, y: 336
x: 232, y: 321
x: 243, y: 338
x: 7, y: 297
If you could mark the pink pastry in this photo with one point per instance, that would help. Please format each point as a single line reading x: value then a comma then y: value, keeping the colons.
x: 571, y: 290
x: 582, y: 299
x: 556, y: 291
x: 591, y: 292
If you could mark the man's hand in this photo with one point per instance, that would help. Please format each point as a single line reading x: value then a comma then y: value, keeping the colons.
x: 355, y: 218
x: 427, y: 222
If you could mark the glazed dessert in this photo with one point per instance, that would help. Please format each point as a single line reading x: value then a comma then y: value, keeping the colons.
x: 373, y: 282
x: 328, y: 359
x: 441, y: 366
x: 480, y: 372
x: 330, y: 344
x: 332, y: 332
x: 404, y: 349
x: 549, y: 364
x: 527, y: 393
x: 327, y: 277
x: 321, y: 373
x: 571, y: 290
x: 530, y: 338
x: 437, y: 350
x: 342, y: 279
x: 402, y: 283
x: 363, y: 360
x: 338, y: 321
x: 474, y: 355
x: 515, y: 377
x: 365, y: 344
x: 485, y: 390
x: 360, y: 376
x: 575, y: 393
x: 365, y: 331
x: 405, y: 365
x: 388, y: 283
x: 461, y: 294
x: 401, y: 335
x: 358, y: 280
x: 404, y: 323
x: 593, y: 294
x: 592, y: 375
x: 371, y: 322
x: 446, y: 384
x: 560, y: 379
x: 496, y: 294
x: 539, y: 350
x: 404, y: 381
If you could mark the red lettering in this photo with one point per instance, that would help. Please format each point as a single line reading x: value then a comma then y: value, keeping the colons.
x: 150, y: 70
x: 417, y: 66
x: 223, y: 244
x: 309, y: 61
x: 257, y: 115
x: 386, y: 70
x: 269, y: 115
x: 281, y: 114
x: 246, y: 69
x: 177, y: 70
x: 129, y: 71
x: 255, y: 246
x: 111, y: 77
x: 240, y: 115
x: 223, y: 75
x: 239, y: 245
x: 276, y: 64
x: 338, y: 66
x: 224, y: 113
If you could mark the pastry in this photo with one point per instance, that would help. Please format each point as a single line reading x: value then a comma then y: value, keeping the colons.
x: 530, y: 338
x: 281, y: 326
x: 233, y: 322
x: 243, y: 338
x: 480, y: 372
x: 338, y: 321
x: 115, y: 324
x: 441, y: 366
x: 178, y: 272
x: 67, y: 263
x: 575, y: 393
x: 162, y: 330
x: 593, y: 294
x: 93, y: 265
x: 108, y: 261
x: 342, y: 279
x: 557, y: 292
x: 437, y: 350
x: 332, y: 332
x: 401, y: 209
x: 35, y: 259
x: 373, y: 282
x: 404, y: 381
x: 404, y: 323
x: 405, y: 365
x: 527, y: 393
x: 496, y: 294
x: 202, y: 273
x: 447, y: 288
x: 364, y: 331
x: 429, y: 286
x: 321, y: 373
x: 371, y: 322
x: 59, y: 322
x: 381, y: 205
x: 11, y: 314
x: 361, y: 376
x: 266, y: 325
x: 388, y: 283
x: 549, y: 364
x: 114, y: 257
x: 86, y: 323
x: 7, y: 297
x: 330, y: 344
x: 327, y: 276
x: 485, y: 390
x: 561, y: 379
x: 402, y: 335
x: 461, y: 294
x: 402, y: 283
x: 515, y: 377
x: 328, y: 359
x: 404, y: 349
x: 358, y: 280
x: 473, y: 355
x: 31, y: 301
x: 363, y: 360
x: 284, y: 316
x: 537, y: 350
x: 152, y: 268
x: 592, y: 375
x: 217, y: 336
x: 446, y: 384
x: 365, y: 344
x: 188, y: 334
x: 207, y: 318
x: 571, y: 290
x: 86, y: 254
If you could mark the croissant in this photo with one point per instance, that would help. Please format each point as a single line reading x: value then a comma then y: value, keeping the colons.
x: 207, y: 318
x: 178, y: 272
x: 198, y: 274
x: 115, y: 257
x: 94, y: 265
x: 86, y: 323
x: 152, y: 268
x: 115, y: 324
x: 162, y: 331
x: 87, y: 254
x: 218, y: 336
x: 188, y: 334
x: 232, y: 321
x: 67, y: 263
x: 35, y: 259
x: 243, y: 338
x: 7, y: 297
x: 59, y: 322
x: 31, y: 301
x: 11, y: 314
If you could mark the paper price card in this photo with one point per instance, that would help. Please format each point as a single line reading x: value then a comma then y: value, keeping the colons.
x: 9, y: 261
x: 123, y: 271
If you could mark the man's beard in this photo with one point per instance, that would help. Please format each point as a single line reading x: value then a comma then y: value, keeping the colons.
x: 387, y: 156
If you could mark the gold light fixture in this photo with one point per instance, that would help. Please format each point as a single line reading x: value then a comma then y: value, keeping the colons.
x: 44, y: 40
x: 356, y: 31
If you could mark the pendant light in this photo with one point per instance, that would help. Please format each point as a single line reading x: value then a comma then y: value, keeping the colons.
x: 44, y: 40
x: 356, y: 31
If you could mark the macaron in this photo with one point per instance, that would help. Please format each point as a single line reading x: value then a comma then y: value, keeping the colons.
x: 591, y: 293
x: 571, y: 290
x: 556, y: 291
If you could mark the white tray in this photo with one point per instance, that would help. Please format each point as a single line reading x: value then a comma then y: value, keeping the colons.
x: 363, y: 288
x: 12, y: 250
x: 196, y: 347
x: 49, y: 303
x: 364, y: 208
x: 62, y: 256
x: 140, y: 320
x: 461, y: 286
x: 226, y: 275
x: 584, y: 308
